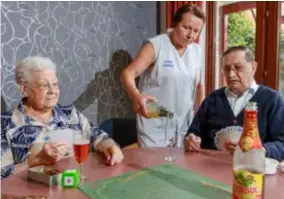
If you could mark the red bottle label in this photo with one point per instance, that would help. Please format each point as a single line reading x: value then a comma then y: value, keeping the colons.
x: 250, y: 137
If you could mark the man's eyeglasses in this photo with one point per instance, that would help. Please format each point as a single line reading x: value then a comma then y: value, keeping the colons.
x: 235, y: 68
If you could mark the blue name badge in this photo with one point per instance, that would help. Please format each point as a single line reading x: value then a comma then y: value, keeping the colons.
x: 168, y: 63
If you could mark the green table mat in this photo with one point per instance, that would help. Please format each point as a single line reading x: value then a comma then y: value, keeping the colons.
x: 158, y: 182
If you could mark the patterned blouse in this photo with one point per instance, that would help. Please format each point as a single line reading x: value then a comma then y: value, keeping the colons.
x: 19, y: 132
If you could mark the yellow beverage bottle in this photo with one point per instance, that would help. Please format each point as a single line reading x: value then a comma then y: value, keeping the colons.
x: 155, y: 110
x: 249, y: 159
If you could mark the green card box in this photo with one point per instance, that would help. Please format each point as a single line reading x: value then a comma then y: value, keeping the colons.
x: 70, y: 178
x: 37, y: 174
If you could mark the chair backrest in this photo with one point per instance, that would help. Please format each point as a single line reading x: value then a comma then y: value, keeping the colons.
x: 107, y: 126
x: 122, y: 130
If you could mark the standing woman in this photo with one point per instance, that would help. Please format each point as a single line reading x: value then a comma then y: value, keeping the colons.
x: 170, y: 68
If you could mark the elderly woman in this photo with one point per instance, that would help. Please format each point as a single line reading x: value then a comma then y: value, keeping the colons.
x: 37, y: 115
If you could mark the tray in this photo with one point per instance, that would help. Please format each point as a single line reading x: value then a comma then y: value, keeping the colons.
x: 37, y: 174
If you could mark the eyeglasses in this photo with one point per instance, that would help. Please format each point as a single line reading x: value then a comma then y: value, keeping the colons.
x: 235, y: 68
x: 45, y: 86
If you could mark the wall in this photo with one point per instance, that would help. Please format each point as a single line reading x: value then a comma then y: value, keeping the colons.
x: 90, y: 42
x: 163, y: 16
x: 202, y: 43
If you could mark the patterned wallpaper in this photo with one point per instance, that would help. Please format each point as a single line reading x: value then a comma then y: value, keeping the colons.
x: 90, y: 42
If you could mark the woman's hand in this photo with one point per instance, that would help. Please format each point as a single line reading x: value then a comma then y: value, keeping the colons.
x: 139, y: 104
x: 49, y: 154
x: 63, y: 149
x: 113, y: 155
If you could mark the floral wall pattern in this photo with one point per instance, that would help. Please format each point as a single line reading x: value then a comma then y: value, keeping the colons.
x: 90, y: 42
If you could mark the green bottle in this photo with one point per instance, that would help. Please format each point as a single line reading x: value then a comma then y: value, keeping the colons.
x: 156, y: 111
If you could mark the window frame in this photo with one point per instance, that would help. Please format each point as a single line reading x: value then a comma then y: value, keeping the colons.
x: 267, y: 37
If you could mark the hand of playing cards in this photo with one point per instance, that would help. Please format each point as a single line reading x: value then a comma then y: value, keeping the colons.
x: 229, y: 134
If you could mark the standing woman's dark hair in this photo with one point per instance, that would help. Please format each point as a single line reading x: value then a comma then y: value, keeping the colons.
x: 195, y: 10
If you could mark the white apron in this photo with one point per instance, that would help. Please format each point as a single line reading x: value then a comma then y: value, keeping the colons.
x: 172, y: 80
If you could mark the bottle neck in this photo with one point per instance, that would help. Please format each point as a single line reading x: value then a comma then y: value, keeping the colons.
x: 165, y: 113
x: 250, y: 125
x: 250, y: 138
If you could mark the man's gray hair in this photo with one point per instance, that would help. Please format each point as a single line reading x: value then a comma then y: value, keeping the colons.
x: 30, y: 65
x: 248, y: 52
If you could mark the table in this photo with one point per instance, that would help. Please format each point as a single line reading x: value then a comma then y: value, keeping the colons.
x: 213, y: 164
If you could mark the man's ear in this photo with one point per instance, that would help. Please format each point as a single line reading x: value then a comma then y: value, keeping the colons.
x: 254, y: 67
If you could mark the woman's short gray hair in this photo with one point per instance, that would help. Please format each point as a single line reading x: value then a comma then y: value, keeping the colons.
x: 30, y: 65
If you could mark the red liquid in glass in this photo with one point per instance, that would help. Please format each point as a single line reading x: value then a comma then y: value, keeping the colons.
x: 81, y: 150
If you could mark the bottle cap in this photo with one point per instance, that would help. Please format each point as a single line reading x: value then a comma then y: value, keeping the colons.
x: 251, y: 106
x: 170, y: 115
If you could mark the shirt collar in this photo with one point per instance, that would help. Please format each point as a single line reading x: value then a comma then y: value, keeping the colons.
x: 58, y: 116
x: 251, y: 90
x: 23, y: 114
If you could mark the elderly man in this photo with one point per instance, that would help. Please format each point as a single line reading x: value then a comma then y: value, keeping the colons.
x: 224, y: 107
x: 37, y: 116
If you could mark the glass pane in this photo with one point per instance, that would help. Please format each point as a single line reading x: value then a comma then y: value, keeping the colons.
x: 281, y: 53
x: 238, y: 27
x: 241, y: 29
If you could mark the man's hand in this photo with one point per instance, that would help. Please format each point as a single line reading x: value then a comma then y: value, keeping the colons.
x: 192, y: 143
x: 230, y: 147
x: 113, y: 155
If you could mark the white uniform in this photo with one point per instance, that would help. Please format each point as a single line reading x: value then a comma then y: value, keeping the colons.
x: 172, y: 79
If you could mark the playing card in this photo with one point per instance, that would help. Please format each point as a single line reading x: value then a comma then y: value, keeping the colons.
x: 228, y: 134
x: 63, y: 135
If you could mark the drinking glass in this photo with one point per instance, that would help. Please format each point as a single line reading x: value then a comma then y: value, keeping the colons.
x: 81, y: 145
x: 171, y: 132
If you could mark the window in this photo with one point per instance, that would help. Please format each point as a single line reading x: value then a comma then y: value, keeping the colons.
x: 238, y: 26
x: 281, y: 52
